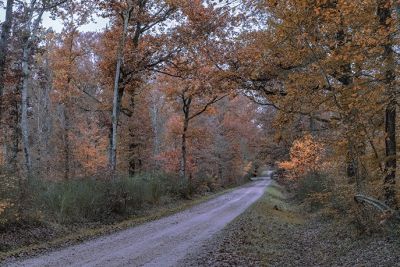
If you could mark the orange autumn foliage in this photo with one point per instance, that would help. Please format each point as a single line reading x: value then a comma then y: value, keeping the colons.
x: 305, y: 157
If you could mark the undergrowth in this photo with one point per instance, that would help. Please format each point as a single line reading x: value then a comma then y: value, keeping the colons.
x: 87, y: 200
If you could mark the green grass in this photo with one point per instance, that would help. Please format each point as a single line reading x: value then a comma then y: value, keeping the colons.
x: 274, y: 193
x: 276, y: 204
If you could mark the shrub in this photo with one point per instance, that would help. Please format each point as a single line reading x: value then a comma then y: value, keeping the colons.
x: 87, y: 200
x: 90, y: 199
x: 74, y: 200
x: 9, y: 196
x: 314, y: 189
x: 312, y: 184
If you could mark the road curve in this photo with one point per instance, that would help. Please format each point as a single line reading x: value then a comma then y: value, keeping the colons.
x: 159, y: 243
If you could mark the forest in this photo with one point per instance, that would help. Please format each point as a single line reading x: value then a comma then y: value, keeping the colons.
x: 177, y: 99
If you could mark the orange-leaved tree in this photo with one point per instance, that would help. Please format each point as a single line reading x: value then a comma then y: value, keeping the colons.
x: 305, y: 157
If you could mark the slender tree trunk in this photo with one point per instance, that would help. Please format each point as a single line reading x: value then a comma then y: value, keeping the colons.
x: 385, y: 14
x: 355, y: 172
x: 110, y: 140
x: 156, y: 131
x: 117, y: 95
x: 15, y: 135
x: 183, y: 163
x: 186, y: 102
x: 31, y: 28
x: 66, y: 110
x: 155, y: 121
x: 390, y: 142
x: 4, y: 41
x: 133, y: 145
x: 24, y: 109
x: 219, y: 167
x: 47, y: 120
x: 67, y: 142
x: 346, y: 79
x: 43, y: 119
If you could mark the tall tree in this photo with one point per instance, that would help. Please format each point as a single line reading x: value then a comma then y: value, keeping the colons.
x: 387, y: 22
x: 4, y: 43
x: 32, y: 15
x: 118, y: 93
x: 66, y: 59
x: 134, y: 57
x: 196, y: 90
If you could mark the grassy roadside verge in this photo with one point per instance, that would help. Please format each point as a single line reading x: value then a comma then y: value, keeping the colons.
x: 86, y: 232
x: 251, y: 238
x: 275, y: 231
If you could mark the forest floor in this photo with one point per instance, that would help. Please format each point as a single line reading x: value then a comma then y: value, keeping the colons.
x: 273, y: 232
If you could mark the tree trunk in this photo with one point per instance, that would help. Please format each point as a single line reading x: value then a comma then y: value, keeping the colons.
x: 24, y: 109
x: 346, y: 79
x: 67, y: 143
x: 46, y: 131
x: 4, y: 40
x: 183, y: 151
x: 390, y: 166
x: 186, y: 113
x: 385, y: 14
x: 133, y: 145
x: 220, y: 168
x: 155, y: 121
x: 31, y: 29
x: 15, y: 133
x: 117, y: 96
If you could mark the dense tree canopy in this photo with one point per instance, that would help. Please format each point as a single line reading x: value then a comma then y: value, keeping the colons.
x: 200, y: 90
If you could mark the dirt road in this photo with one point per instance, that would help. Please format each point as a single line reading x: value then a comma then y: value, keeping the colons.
x: 159, y: 243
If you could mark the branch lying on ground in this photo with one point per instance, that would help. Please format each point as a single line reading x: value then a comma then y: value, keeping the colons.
x: 378, y: 205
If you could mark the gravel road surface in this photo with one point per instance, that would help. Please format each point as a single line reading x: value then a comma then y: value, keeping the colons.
x: 159, y: 243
